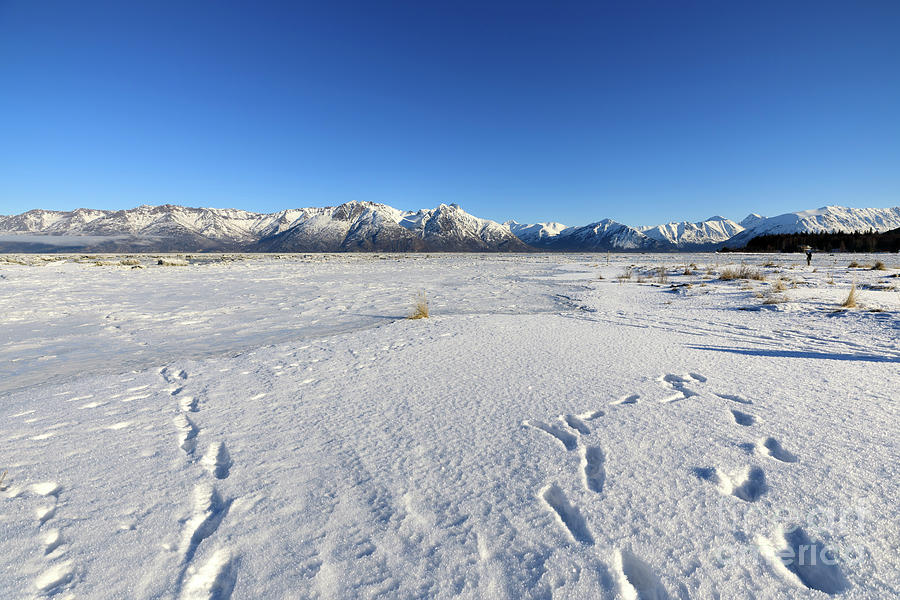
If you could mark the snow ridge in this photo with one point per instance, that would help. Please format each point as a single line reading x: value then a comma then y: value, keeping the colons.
x: 689, y: 235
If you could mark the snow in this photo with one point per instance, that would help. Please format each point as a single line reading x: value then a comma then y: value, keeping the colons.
x: 827, y: 218
x: 530, y: 233
x: 713, y: 230
x: 350, y: 226
x: 751, y: 220
x: 370, y: 226
x: 272, y: 427
x: 602, y: 235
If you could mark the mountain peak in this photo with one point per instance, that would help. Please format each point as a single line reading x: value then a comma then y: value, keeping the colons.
x: 751, y: 220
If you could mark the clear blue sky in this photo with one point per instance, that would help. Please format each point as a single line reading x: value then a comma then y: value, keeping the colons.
x: 640, y: 111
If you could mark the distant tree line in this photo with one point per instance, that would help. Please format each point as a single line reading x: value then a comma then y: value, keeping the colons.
x: 857, y: 241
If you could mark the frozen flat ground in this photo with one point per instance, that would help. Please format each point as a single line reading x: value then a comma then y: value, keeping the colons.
x: 274, y: 428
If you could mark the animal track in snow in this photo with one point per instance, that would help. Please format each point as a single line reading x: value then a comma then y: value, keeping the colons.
x: 209, y: 510
x: 217, y: 460
x: 630, y: 399
x: 591, y: 415
x: 742, y: 418
x: 55, y: 577
x: 592, y: 470
x: 771, y: 447
x: 188, y: 404
x: 565, y: 438
x: 172, y: 376
x: 636, y: 579
x: 213, y: 581
x: 748, y: 485
x: 678, y: 383
x: 52, y: 540
x: 47, y: 488
x: 577, y: 424
x: 45, y: 513
x: 804, y: 562
x: 734, y: 398
x: 187, y: 433
x: 568, y: 515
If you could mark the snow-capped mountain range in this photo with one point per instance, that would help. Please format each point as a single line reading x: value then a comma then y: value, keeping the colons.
x: 368, y: 226
x: 352, y: 226
x: 828, y: 218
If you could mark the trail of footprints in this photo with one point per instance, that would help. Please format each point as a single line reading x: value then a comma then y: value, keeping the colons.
x: 60, y: 572
x: 216, y: 578
x: 634, y: 577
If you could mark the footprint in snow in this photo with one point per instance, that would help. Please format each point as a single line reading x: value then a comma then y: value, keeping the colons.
x: 742, y: 418
x: 214, y: 580
x: 593, y: 473
x: 802, y: 561
x: 629, y: 399
x: 734, y: 398
x: 591, y: 415
x: 188, y: 404
x: 217, y: 460
x: 747, y: 485
x: 187, y: 433
x: 772, y: 448
x: 576, y: 423
x: 679, y: 385
x: 172, y: 376
x: 569, y: 516
x: 565, y: 438
x: 58, y: 575
x: 636, y: 579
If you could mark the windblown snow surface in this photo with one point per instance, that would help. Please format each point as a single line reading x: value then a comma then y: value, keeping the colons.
x: 562, y: 426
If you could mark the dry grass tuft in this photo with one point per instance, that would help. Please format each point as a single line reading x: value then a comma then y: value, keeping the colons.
x: 662, y: 275
x: 420, y: 307
x: 626, y: 274
x: 779, y: 286
x: 744, y: 272
x: 852, y: 298
x: 853, y: 265
x: 879, y: 266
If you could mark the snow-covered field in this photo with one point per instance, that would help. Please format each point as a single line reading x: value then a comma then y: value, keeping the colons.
x: 273, y: 427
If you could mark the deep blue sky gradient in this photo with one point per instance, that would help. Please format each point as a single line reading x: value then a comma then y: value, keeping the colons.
x: 640, y: 111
